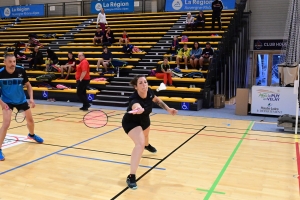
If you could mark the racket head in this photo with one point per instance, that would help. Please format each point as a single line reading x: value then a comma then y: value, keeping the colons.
x: 95, y: 119
x: 20, y: 116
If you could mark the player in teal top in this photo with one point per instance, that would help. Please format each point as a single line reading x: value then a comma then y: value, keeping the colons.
x: 12, y: 80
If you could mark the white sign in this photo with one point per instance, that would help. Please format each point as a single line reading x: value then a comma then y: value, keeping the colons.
x: 273, y: 100
x: 136, y: 3
x: 52, y: 8
x: 11, y: 140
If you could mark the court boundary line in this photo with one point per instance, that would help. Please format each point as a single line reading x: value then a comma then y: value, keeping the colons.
x: 222, y: 172
x: 144, y: 174
x: 48, y: 155
x: 109, y: 161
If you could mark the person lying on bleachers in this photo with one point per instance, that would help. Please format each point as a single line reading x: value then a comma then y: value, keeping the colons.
x: 33, y: 41
x: 98, y: 38
x: 183, y: 54
x: 189, y: 21
x: 200, y: 21
x: 106, y: 59
x: 174, y: 46
x: 36, y: 58
x: 101, y: 20
x: 69, y: 67
x: 207, y: 54
x: 108, y: 38
x: 195, y: 55
x: 124, y: 38
x: 52, y: 59
x: 163, y: 71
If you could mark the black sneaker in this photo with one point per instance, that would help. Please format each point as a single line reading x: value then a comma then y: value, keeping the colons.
x: 151, y: 148
x: 131, y: 182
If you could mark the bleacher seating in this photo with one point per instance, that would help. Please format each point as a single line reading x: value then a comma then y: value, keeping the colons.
x: 145, y: 31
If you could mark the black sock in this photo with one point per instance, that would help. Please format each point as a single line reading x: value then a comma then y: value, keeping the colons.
x: 31, y: 135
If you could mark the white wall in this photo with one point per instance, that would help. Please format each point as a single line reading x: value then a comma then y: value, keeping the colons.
x: 268, y: 19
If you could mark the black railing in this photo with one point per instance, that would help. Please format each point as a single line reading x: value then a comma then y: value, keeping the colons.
x: 229, y: 67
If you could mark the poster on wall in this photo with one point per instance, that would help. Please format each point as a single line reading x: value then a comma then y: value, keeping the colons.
x: 35, y: 10
x: 112, y: 6
x: 195, y: 5
x: 273, y: 100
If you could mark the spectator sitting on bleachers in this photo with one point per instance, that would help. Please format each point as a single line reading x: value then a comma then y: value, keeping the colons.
x: 164, y: 72
x: 106, y: 59
x: 52, y: 59
x: 124, y: 38
x: 127, y: 49
x: 189, y: 21
x: 69, y: 67
x: 195, y: 55
x: 98, y: 38
x: 101, y: 20
x: 200, y: 20
x: 36, y: 58
x: 183, y: 54
x: 108, y: 37
x: 174, y: 46
x: 207, y: 54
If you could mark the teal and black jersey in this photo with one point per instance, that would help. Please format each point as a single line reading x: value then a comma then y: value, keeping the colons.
x: 11, y: 88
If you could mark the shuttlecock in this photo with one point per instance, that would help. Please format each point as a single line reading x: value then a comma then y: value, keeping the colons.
x: 161, y: 87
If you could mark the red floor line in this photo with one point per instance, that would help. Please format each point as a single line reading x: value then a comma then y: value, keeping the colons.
x: 298, y: 162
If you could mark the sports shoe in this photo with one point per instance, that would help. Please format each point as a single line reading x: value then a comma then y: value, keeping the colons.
x: 151, y: 148
x: 1, y: 155
x: 131, y: 182
x: 36, y: 138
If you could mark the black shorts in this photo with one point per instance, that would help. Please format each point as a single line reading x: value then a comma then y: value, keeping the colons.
x: 130, y: 122
x: 23, y: 106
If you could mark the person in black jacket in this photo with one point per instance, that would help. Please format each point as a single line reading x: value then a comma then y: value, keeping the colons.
x: 200, y: 20
x: 36, y: 58
x: 217, y: 7
x: 109, y: 38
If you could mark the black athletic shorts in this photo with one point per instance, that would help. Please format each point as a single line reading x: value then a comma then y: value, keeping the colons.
x: 130, y: 121
x: 23, y: 106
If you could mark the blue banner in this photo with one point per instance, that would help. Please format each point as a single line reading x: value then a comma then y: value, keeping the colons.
x: 112, y: 6
x: 34, y: 10
x: 192, y: 5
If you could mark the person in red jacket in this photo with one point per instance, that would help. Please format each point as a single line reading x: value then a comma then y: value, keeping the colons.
x: 124, y: 38
x: 83, y: 80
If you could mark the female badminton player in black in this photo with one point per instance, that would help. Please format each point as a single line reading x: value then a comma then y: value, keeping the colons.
x: 137, y: 125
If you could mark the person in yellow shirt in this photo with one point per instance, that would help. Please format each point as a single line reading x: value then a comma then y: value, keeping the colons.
x: 183, y: 54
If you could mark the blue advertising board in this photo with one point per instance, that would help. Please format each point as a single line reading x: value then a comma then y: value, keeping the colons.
x: 34, y: 10
x: 192, y: 5
x: 112, y: 6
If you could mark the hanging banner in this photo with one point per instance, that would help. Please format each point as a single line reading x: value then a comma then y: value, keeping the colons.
x: 273, y: 100
x: 112, y: 6
x: 193, y: 5
x: 34, y: 10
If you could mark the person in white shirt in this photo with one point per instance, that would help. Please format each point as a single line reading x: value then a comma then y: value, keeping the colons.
x: 101, y: 20
x: 189, y: 21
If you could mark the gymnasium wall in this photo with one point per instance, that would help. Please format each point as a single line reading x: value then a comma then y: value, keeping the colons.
x: 268, y: 19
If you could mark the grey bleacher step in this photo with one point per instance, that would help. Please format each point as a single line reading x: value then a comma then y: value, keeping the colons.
x: 120, y: 83
x: 155, y: 53
x: 116, y: 92
x: 118, y: 87
x: 145, y: 67
x: 135, y: 74
x: 121, y: 78
x: 141, y: 70
x: 111, y: 103
x: 153, y: 56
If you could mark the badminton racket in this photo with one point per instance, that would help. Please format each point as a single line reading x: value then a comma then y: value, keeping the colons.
x: 98, y: 118
x: 20, y: 116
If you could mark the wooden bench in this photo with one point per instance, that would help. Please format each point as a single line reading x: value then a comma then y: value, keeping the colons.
x: 11, y: 32
x: 96, y: 53
x: 175, y: 79
x: 178, y: 99
x: 25, y: 36
x: 43, y: 89
x: 63, y: 81
x: 131, y: 38
x: 178, y: 89
x: 97, y: 48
